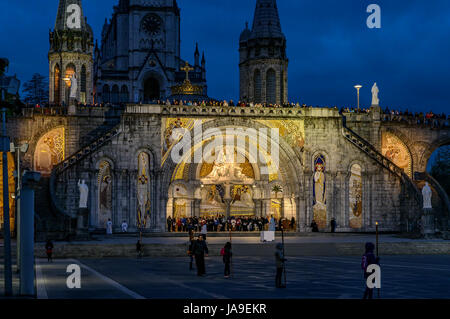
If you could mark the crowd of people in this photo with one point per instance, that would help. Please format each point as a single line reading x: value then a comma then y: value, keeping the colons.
x: 221, y: 223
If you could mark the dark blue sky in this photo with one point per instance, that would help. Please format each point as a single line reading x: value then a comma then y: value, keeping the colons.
x: 330, y: 47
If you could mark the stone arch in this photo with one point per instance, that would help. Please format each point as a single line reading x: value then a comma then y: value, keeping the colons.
x: 49, y: 150
x: 433, y: 146
x: 395, y: 148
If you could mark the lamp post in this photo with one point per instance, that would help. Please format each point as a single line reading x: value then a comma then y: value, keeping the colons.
x: 23, y: 148
x: 358, y: 87
x: 4, y: 148
x: 376, y: 230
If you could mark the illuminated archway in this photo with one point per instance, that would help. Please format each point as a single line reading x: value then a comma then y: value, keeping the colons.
x: 395, y: 150
x: 50, y: 150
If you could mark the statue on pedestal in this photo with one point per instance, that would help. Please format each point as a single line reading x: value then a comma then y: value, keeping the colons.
x: 375, y: 91
x: 73, y: 86
x: 426, y: 194
x: 84, y: 191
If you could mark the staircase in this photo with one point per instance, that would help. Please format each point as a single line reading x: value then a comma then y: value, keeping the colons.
x: 372, y: 152
x: 74, y: 159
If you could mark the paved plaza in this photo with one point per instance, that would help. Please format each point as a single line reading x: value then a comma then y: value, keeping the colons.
x: 308, y: 277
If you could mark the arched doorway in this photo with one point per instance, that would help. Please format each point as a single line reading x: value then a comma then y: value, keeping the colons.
x: 49, y: 151
x: 152, y: 90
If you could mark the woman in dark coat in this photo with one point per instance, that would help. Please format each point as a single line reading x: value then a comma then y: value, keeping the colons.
x: 227, y: 259
x: 49, y: 250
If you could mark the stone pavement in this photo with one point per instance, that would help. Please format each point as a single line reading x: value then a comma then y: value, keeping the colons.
x: 319, y: 244
x: 308, y: 277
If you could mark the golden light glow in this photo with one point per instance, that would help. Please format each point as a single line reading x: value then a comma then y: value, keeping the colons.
x: 11, y: 190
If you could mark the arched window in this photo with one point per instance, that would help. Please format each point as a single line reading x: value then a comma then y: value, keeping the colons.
x: 105, y: 94
x: 271, y: 95
x: 355, y: 197
x: 70, y: 70
x: 104, y: 194
x: 143, y: 191
x: 124, y: 94
x: 257, y: 86
x: 320, y: 192
x: 57, y: 85
x: 83, y: 85
x: 115, y: 94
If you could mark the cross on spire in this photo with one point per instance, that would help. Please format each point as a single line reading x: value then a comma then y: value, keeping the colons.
x: 187, y: 69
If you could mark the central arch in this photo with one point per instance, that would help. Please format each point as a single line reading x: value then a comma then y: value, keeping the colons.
x: 252, y: 194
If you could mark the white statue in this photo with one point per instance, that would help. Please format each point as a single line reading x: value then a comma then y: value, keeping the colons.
x: 426, y: 194
x: 84, y: 191
x: 73, y: 86
x: 375, y: 91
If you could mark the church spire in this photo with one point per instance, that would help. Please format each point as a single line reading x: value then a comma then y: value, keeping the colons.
x: 63, y: 14
x: 266, y: 23
x: 196, y: 55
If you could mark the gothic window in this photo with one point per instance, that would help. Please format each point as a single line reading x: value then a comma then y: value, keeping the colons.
x: 282, y: 88
x: 115, y: 94
x: 143, y: 190
x: 271, y: 50
x: 257, y: 86
x: 355, y: 197
x: 83, y: 79
x: 271, y: 95
x: 319, y: 192
x: 124, y: 96
x: 57, y: 85
x: 104, y: 194
x: 105, y: 93
x: 151, y: 24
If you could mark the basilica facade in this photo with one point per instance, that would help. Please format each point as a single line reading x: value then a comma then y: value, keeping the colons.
x: 147, y: 162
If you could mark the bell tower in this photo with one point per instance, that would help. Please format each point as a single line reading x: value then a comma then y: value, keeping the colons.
x: 263, y: 65
x: 71, y: 51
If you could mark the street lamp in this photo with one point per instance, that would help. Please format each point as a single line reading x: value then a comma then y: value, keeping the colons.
x: 23, y: 148
x: 358, y: 87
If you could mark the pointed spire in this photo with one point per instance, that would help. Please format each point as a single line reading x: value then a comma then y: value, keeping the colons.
x: 62, y: 15
x: 266, y: 22
x: 203, y: 58
x: 196, y: 55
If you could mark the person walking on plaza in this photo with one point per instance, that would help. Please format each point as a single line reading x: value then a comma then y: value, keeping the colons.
x: 200, y: 250
x: 169, y: 224
x: 204, y: 230
x: 368, y: 259
x: 333, y: 225
x: 124, y: 227
x: 139, y: 249
x: 279, y: 260
x: 314, y: 226
x: 190, y: 249
x: 49, y: 250
x: 226, y: 256
x: 109, y: 227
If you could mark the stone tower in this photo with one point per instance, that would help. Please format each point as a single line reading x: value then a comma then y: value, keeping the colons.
x: 263, y: 64
x: 71, y: 51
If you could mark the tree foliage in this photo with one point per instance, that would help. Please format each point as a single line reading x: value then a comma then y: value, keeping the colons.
x: 36, y: 90
x: 441, y: 168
